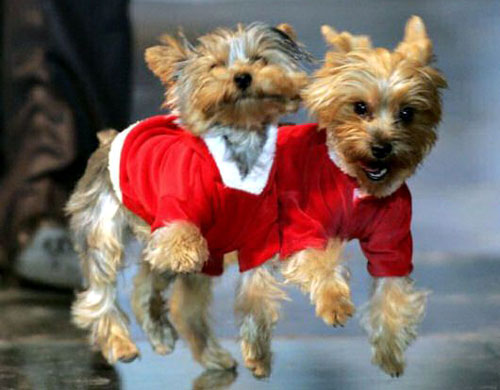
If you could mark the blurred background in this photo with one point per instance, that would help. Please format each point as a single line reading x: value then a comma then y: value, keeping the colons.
x: 71, y: 68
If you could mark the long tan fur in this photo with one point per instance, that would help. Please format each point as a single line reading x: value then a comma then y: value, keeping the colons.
x: 258, y: 306
x: 385, y: 83
x: 322, y: 274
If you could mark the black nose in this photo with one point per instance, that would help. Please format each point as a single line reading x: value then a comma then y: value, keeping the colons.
x: 243, y: 80
x: 381, y: 150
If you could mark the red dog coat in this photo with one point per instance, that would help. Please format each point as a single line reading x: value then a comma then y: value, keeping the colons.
x: 318, y: 201
x: 163, y: 173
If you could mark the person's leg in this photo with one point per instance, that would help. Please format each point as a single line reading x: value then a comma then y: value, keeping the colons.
x: 65, y: 76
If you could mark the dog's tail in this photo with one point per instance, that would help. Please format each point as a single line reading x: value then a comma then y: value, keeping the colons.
x: 105, y: 137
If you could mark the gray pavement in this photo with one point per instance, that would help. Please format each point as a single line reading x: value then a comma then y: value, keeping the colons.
x: 456, y: 227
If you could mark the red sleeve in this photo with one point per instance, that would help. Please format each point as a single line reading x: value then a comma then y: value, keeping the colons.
x: 185, y: 190
x: 388, y: 244
x: 298, y: 229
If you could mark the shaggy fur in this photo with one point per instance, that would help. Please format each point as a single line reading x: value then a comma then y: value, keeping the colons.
x: 257, y: 304
x: 189, y: 305
x: 386, y: 83
x: 203, y: 87
x: 243, y: 146
x: 368, y: 98
x: 322, y: 274
x: 151, y: 308
x: 200, y: 78
x: 98, y: 233
x: 177, y: 247
x: 391, y: 319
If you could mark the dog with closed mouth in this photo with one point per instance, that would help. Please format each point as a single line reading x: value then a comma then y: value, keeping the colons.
x: 191, y: 186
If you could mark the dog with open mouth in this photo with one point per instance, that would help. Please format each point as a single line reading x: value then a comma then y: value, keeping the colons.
x: 344, y: 178
x: 192, y: 186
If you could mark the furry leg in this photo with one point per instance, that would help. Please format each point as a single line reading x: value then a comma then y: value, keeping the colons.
x: 258, y: 303
x: 391, y: 318
x: 322, y: 274
x: 189, y: 303
x: 98, y: 238
x: 177, y: 247
x: 151, y: 309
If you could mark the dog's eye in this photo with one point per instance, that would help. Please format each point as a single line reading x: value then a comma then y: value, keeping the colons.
x: 216, y: 65
x: 259, y: 58
x: 361, y: 108
x: 406, y: 115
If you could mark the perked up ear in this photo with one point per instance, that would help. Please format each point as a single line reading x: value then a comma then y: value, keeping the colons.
x: 288, y: 30
x: 345, y: 42
x: 416, y: 44
x: 164, y: 60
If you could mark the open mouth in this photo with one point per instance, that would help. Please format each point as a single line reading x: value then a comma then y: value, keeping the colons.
x: 374, y: 173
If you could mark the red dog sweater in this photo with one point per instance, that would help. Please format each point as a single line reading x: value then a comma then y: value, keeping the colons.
x: 318, y: 201
x: 163, y: 173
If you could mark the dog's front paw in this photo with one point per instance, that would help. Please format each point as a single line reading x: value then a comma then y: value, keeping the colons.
x: 336, y: 312
x: 333, y: 303
x: 390, y: 361
x: 178, y: 248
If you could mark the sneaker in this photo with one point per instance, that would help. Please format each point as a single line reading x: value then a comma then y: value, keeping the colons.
x: 49, y: 258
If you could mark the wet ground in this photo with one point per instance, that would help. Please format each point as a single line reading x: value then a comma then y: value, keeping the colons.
x: 456, y: 228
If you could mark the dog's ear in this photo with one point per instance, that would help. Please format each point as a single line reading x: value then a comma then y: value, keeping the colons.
x: 345, y: 42
x: 436, y: 76
x: 288, y: 30
x: 416, y: 44
x: 165, y: 60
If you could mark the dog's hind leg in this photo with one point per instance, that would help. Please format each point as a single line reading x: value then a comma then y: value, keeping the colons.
x: 189, y: 304
x: 97, y: 223
x: 151, y: 308
x: 258, y: 303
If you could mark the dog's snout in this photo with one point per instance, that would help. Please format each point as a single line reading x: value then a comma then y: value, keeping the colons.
x: 382, y: 150
x: 243, y: 80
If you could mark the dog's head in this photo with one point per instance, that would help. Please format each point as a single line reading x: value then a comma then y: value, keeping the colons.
x: 241, y: 78
x: 380, y: 107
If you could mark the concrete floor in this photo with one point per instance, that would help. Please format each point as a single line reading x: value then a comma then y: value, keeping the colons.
x: 456, y: 227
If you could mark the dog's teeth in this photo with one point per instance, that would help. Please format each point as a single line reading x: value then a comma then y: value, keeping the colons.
x: 377, y: 175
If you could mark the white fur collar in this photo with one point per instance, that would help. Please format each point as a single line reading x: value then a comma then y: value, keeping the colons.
x: 114, y: 159
x: 257, y: 178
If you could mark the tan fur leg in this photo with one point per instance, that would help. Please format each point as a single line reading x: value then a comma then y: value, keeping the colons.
x: 391, y: 318
x: 177, y: 247
x: 322, y: 274
x: 258, y: 303
x: 97, y: 223
x: 189, y: 304
x: 151, y: 309
x: 96, y: 308
x: 99, y: 243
